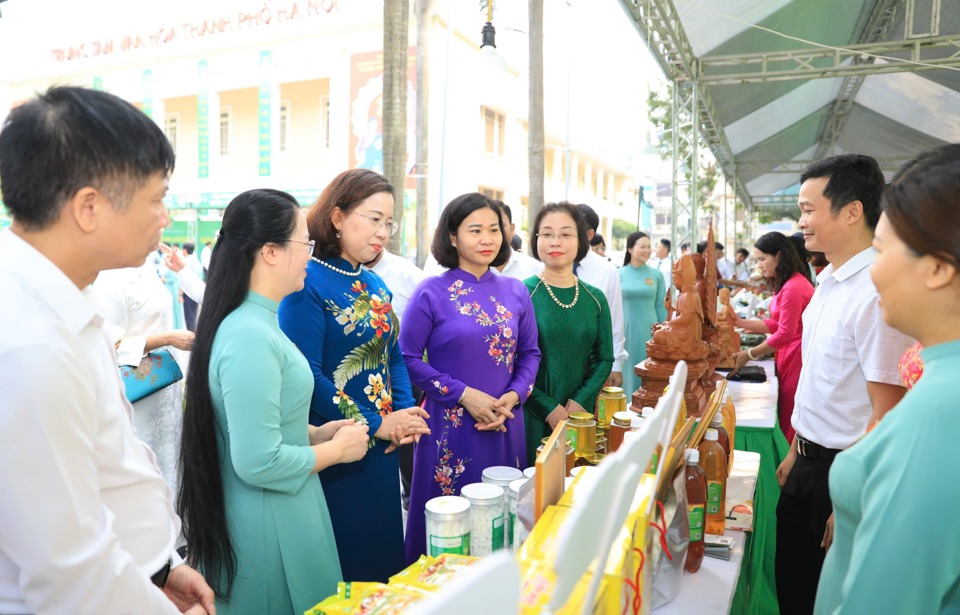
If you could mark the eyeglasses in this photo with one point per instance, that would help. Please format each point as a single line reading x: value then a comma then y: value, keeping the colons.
x: 391, y: 227
x: 552, y: 236
x: 310, y: 244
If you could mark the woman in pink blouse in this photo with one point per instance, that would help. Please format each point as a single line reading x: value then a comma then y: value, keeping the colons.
x: 786, y: 273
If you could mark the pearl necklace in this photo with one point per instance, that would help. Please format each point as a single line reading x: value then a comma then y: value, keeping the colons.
x: 576, y: 293
x: 349, y: 274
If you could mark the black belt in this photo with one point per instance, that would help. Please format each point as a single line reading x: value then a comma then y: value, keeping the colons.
x: 813, y: 450
x: 160, y: 577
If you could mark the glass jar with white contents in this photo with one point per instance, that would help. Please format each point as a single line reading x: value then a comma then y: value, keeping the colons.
x: 516, y: 531
x: 501, y: 475
x: 486, y: 517
x: 448, y: 525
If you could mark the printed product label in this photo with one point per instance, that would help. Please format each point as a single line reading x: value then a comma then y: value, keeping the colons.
x: 714, y: 491
x: 511, y: 529
x: 450, y: 544
x: 572, y: 437
x: 497, y: 541
x: 601, y: 410
x: 695, y: 515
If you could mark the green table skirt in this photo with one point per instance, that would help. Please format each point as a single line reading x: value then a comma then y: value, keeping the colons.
x: 756, y: 592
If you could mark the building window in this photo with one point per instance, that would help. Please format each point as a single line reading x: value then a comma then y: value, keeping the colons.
x: 493, y: 129
x: 325, y: 122
x: 664, y: 218
x: 171, y: 128
x: 491, y: 193
x: 225, y: 131
x: 284, y: 124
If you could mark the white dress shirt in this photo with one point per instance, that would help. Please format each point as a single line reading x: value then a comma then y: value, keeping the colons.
x: 725, y: 267
x: 598, y: 271
x: 520, y: 266
x: 85, y: 517
x: 665, y: 267
x: 845, y: 345
x: 191, y: 284
x: 401, y: 277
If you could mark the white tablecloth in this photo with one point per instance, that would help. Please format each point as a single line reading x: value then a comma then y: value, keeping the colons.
x: 756, y: 403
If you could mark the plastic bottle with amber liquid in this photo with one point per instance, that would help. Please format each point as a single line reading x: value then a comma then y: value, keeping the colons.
x: 696, y: 484
x: 722, y: 437
x: 714, y: 463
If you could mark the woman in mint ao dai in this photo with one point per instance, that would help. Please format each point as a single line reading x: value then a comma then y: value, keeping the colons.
x: 255, y: 519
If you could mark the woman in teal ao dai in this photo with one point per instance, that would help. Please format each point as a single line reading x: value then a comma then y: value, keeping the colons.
x: 344, y: 325
x: 896, y: 542
x: 255, y: 519
x: 644, y: 291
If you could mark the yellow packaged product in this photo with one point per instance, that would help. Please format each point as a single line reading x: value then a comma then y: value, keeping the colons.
x: 371, y: 599
x: 539, y: 553
x: 320, y: 607
x: 537, y: 581
x: 431, y: 573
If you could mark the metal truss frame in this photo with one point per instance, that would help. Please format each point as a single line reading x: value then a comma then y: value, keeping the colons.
x: 920, y: 55
x: 659, y: 25
x: 685, y: 168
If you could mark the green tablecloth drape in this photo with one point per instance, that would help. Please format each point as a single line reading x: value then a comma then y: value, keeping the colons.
x: 756, y: 592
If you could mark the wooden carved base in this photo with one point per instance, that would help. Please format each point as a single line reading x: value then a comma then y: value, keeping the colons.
x: 655, y: 376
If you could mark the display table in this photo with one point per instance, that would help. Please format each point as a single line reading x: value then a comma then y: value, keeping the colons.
x: 711, y: 589
x: 758, y: 432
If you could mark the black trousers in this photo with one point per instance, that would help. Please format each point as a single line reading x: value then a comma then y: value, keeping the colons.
x: 190, y: 313
x: 802, y: 514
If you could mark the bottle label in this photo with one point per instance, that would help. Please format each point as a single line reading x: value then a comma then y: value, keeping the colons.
x: 572, y: 436
x: 511, y: 530
x: 601, y: 410
x: 695, y: 515
x: 451, y: 544
x: 714, y: 492
x: 497, y: 540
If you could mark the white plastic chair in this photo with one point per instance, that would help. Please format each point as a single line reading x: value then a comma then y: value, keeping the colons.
x: 492, y: 585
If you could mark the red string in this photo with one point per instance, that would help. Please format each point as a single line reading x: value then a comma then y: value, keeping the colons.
x: 663, y: 530
x: 637, y: 597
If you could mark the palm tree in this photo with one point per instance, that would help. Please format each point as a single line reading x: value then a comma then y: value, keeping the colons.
x: 423, y: 98
x: 395, y: 35
x: 535, y: 157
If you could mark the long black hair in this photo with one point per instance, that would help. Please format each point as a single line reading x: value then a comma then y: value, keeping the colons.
x: 774, y: 243
x: 251, y: 220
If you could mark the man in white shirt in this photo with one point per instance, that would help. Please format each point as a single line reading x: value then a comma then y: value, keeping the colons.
x: 741, y: 269
x: 88, y: 523
x: 400, y: 275
x: 664, y: 263
x: 850, y: 375
x: 600, y: 272
x: 519, y: 265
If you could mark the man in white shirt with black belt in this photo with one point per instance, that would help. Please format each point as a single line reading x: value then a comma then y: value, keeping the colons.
x: 850, y: 375
x: 88, y: 523
x: 598, y: 271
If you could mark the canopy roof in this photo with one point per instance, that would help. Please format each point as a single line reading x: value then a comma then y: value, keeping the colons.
x: 784, y: 82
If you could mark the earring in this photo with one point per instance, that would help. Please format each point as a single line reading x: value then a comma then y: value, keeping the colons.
x: 338, y: 234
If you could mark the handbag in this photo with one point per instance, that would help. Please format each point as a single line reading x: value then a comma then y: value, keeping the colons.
x: 157, y: 370
x: 749, y: 373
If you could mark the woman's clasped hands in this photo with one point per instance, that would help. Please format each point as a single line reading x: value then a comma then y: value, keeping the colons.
x: 403, y: 427
x: 489, y: 412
